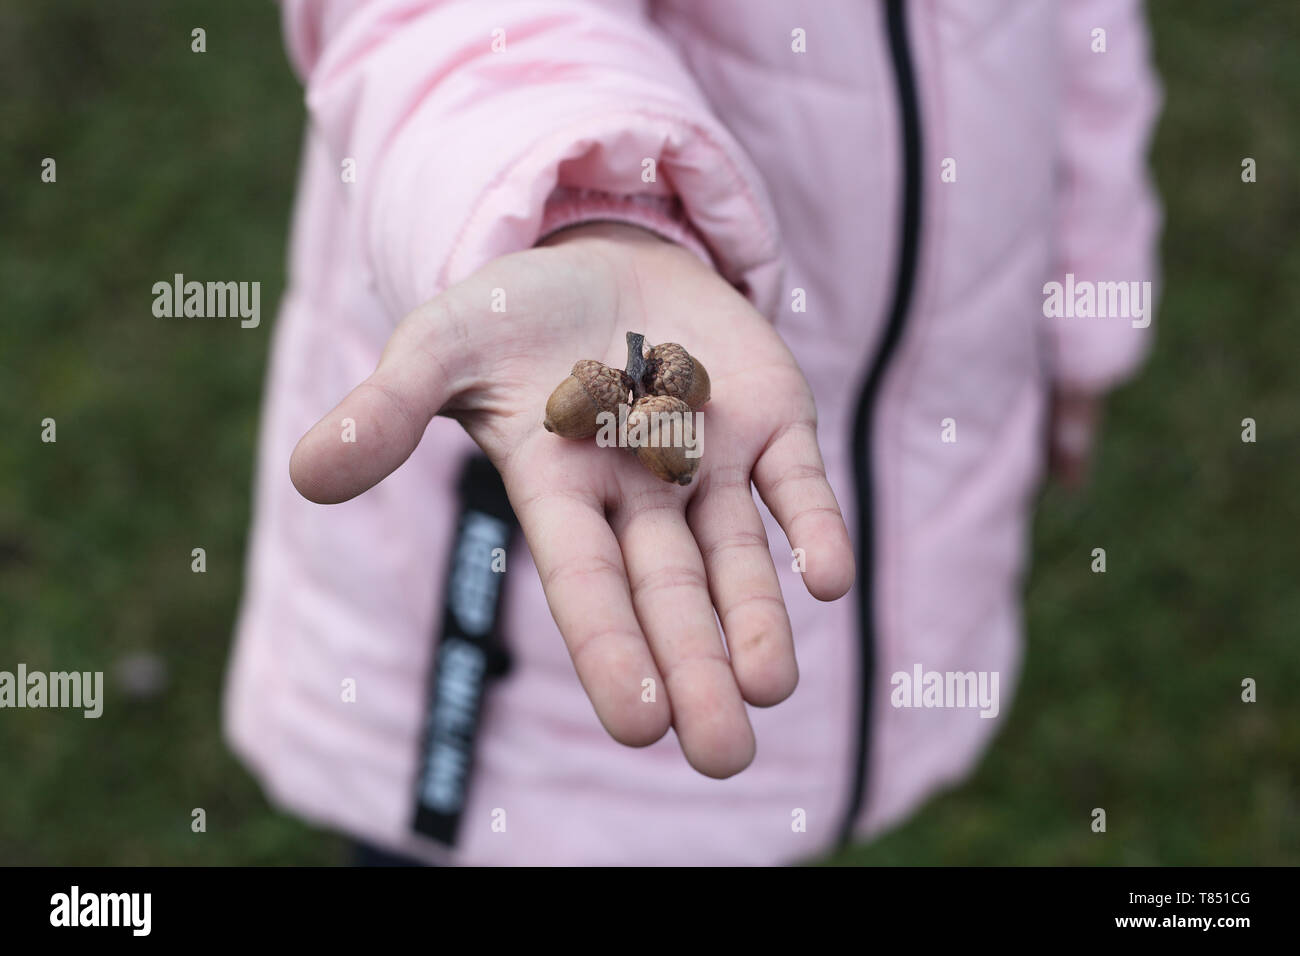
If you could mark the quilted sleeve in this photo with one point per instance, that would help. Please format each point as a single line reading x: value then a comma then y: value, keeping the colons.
x: 467, y: 123
x: 1110, y: 216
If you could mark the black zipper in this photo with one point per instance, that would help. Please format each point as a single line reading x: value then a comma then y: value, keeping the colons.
x: 863, y: 421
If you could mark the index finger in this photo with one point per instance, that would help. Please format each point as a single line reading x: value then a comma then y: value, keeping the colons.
x: 582, y: 572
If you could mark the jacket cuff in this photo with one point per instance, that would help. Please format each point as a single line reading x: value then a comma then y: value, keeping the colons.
x: 662, y: 215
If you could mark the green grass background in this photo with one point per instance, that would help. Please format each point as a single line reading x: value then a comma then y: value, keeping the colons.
x: 1131, y: 694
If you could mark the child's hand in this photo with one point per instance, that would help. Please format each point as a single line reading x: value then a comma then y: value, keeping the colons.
x: 1072, y: 430
x: 633, y: 567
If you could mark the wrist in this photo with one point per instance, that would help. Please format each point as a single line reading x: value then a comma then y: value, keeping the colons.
x: 603, y: 230
x: 660, y: 215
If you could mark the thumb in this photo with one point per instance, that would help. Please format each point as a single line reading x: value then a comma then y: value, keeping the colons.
x: 427, y: 363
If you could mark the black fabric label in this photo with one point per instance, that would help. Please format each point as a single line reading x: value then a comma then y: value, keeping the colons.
x: 470, y: 650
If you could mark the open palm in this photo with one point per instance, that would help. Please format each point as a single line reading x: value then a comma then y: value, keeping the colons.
x: 633, y: 567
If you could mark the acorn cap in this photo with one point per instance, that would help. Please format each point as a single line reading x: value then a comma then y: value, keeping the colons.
x: 673, y: 371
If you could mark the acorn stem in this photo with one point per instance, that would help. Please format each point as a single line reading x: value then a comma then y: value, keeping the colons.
x: 636, y: 364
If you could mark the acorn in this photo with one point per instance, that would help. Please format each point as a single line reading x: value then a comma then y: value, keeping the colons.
x: 671, y: 370
x: 591, y: 388
x: 659, y: 442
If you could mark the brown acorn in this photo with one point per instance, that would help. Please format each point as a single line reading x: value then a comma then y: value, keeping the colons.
x: 590, y: 389
x: 659, y: 442
x: 673, y: 371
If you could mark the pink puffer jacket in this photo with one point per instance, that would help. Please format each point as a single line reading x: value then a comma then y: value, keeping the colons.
x: 893, y: 183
